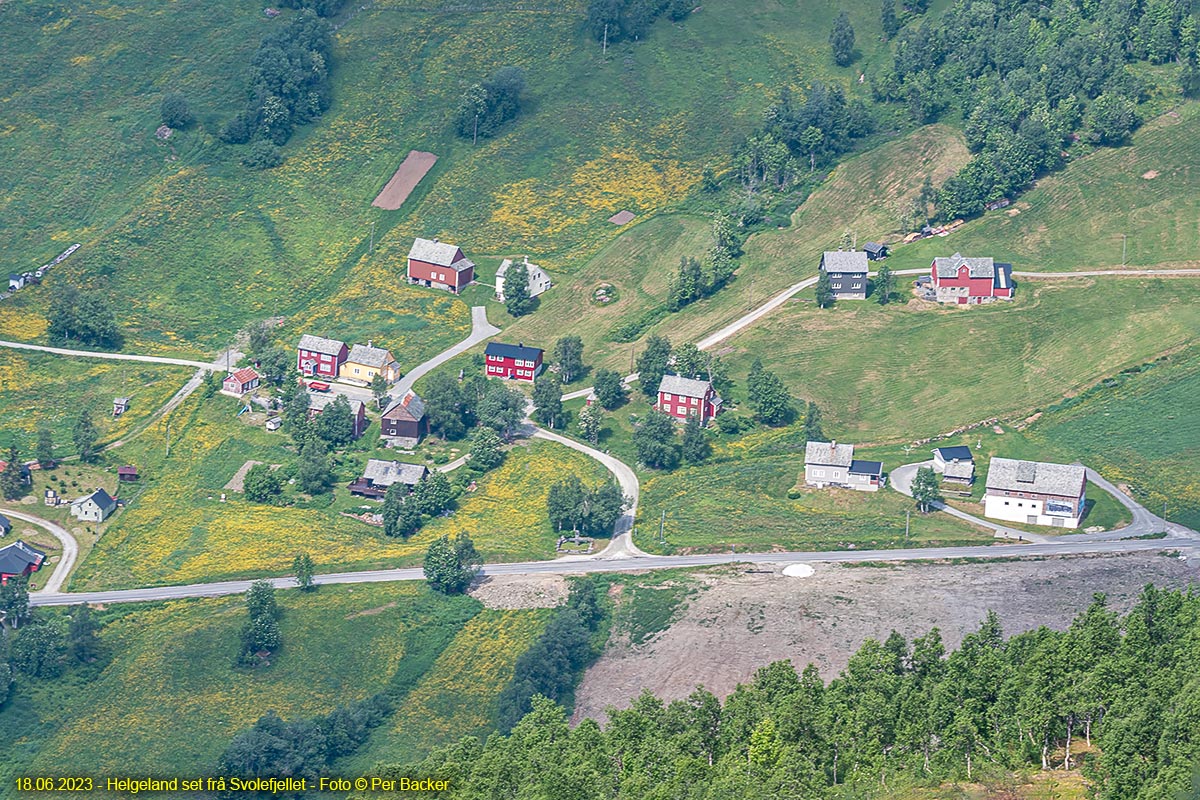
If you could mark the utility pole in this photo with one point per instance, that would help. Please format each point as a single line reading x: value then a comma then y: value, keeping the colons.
x: 1164, y: 516
x: 168, y: 437
x: 661, y: 522
x: 1124, y: 241
x: 907, y: 516
x: 605, y: 50
x: 372, y: 250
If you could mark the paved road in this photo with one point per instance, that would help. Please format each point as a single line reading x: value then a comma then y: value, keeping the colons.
x: 622, y: 545
x: 1144, y: 522
x: 481, y: 330
x: 70, y: 550
x: 578, y: 566
x: 63, y: 351
x: 1123, y: 273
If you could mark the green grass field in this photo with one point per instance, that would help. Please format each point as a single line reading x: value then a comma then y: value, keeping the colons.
x: 907, y: 371
x: 165, y: 698
x: 39, y: 389
x: 1077, y: 218
x: 177, y: 530
x: 1143, y: 432
x: 630, y: 131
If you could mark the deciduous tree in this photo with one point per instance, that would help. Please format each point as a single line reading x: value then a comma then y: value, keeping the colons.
x: 591, y: 420
x: 84, y: 436
x: 303, y: 568
x: 261, y: 484
x: 516, y: 290
x: 824, y: 290
x: 925, y: 489
x: 81, y: 635
x: 487, y: 451
x: 695, y: 446
x: 568, y: 354
x: 841, y: 40
x: 12, y: 482
x: 652, y: 363
x: 610, y: 391
x: 885, y: 284
x: 654, y: 441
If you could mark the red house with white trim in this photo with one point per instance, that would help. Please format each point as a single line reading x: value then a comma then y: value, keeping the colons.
x: 239, y: 382
x: 440, y: 265
x: 316, y: 355
x: 970, y: 281
x: 686, y: 397
x: 514, y: 361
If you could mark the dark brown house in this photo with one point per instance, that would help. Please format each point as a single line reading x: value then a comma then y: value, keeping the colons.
x: 405, y: 420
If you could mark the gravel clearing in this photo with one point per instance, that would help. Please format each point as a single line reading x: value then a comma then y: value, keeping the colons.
x: 748, y: 616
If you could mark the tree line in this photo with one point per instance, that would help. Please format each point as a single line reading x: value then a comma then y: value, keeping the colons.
x: 287, y: 85
x: 901, y: 714
x: 611, y: 21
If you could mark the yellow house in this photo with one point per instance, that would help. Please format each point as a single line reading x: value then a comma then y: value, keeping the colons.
x: 366, y: 361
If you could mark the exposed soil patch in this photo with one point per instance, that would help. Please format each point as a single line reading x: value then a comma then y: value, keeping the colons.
x: 370, y: 612
x: 1150, y: 174
x: 416, y: 164
x: 520, y: 591
x: 746, y: 617
x: 238, y: 481
x: 622, y: 218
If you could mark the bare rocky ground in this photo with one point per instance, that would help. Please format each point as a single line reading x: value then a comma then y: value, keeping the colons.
x: 748, y: 616
x: 520, y: 591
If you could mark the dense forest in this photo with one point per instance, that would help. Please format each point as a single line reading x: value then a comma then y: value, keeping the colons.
x: 901, y: 714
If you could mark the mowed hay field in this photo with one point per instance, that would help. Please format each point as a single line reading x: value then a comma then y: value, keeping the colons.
x: 641, y: 262
x: 178, y: 531
x: 165, y: 697
x: 630, y: 131
x: 39, y: 389
x: 1074, y: 219
x: 907, y: 371
x: 1142, y: 430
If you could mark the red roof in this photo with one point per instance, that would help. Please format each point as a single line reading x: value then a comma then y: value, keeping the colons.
x: 244, y: 375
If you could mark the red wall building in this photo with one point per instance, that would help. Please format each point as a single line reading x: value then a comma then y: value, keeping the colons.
x: 19, y: 559
x: 440, y: 265
x: 970, y: 281
x: 686, y: 397
x: 514, y: 361
x: 318, y: 356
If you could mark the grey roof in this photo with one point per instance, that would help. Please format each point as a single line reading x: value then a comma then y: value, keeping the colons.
x: 1009, y: 474
x: 100, y: 497
x: 121, y: 401
x: 844, y: 261
x: 959, y: 469
x: 410, y: 407
x: 866, y: 467
x: 976, y: 267
x: 5, y: 523
x: 960, y: 451
x: 684, y: 387
x: 370, y: 356
x: 517, y: 351
x: 873, y: 247
x: 830, y: 454
x: 319, y: 401
x: 319, y: 344
x: 385, y: 473
x: 16, y: 557
x: 1003, y: 278
x: 434, y: 252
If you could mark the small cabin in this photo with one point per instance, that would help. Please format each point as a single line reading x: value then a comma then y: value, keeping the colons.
x: 120, y: 406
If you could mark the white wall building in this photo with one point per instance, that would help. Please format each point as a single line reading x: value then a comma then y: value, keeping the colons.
x: 539, y: 281
x: 1035, y: 492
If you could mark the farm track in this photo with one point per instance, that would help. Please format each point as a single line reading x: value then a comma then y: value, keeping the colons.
x: 70, y: 552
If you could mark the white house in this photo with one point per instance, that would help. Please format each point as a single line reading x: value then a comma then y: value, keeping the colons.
x: 832, y: 464
x: 539, y: 281
x: 95, y: 507
x: 1035, y: 492
x: 955, y: 464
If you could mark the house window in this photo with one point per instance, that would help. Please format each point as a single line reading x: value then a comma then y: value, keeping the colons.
x: 858, y: 286
x: 667, y: 396
x: 694, y: 401
x: 820, y: 473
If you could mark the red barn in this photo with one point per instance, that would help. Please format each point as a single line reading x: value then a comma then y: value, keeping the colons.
x: 513, y: 361
x: 319, y: 356
x: 440, y: 265
x: 970, y: 281
x: 19, y: 559
x: 686, y: 397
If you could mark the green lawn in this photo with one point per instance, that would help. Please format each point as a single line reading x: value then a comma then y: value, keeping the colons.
x: 176, y: 529
x: 1076, y: 219
x: 1142, y: 430
x: 165, y: 699
x: 39, y: 389
x: 632, y: 130
x: 907, y: 371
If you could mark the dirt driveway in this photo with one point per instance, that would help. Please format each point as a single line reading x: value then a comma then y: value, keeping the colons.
x: 746, y: 617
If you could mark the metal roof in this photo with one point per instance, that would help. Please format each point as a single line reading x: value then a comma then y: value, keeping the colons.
x: 518, y: 351
x: 684, y: 387
x: 1008, y: 474
x: 866, y: 467
x: 976, y: 267
x: 18, y: 556
x: 948, y: 454
x: 319, y: 344
x: 829, y: 454
x: 844, y: 261
x: 100, y: 497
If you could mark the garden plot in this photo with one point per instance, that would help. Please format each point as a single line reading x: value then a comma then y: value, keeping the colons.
x: 415, y: 166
